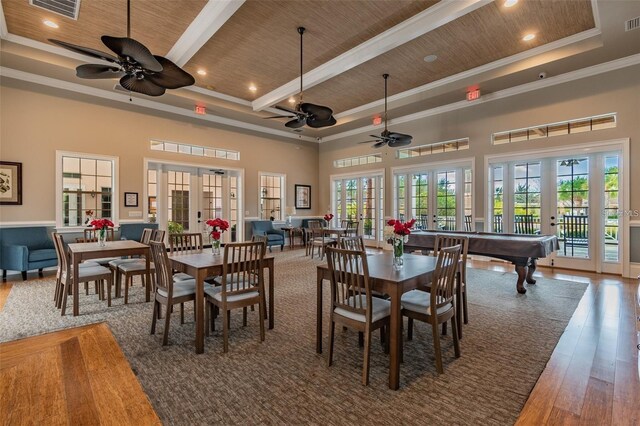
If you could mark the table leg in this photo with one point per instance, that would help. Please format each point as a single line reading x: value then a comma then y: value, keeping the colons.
x: 521, y: 270
x: 200, y: 276
x: 395, y: 338
x: 459, y: 305
x: 147, y: 289
x: 76, y: 292
x: 532, y: 269
x: 271, y: 293
x: 319, y: 312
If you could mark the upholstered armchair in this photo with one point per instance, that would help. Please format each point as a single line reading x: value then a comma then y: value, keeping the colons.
x: 275, y: 237
x: 25, y: 249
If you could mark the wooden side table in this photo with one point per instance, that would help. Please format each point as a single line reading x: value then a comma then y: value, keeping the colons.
x: 292, y: 231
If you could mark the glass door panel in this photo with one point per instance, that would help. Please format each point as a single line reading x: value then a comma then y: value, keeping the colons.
x: 446, y: 200
x: 368, y: 210
x: 178, y: 184
x: 572, y: 197
x: 351, y: 199
x: 497, y: 199
x: 611, y: 208
x: 527, y: 198
x: 420, y: 200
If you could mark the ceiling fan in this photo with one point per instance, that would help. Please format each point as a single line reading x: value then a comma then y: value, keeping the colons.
x: 393, y: 139
x: 312, y: 115
x: 135, y: 66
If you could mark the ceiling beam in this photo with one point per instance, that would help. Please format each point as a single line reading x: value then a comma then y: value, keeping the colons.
x: 428, y: 20
x: 3, y: 23
x: 210, y: 19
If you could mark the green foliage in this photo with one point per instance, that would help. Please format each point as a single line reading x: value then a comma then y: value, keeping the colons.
x: 175, y: 228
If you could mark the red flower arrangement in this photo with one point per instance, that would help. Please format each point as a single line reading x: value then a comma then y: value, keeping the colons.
x: 328, y: 217
x: 401, y: 228
x: 218, y: 226
x: 101, y: 224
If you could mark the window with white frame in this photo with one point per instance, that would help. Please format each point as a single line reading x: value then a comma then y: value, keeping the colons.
x: 272, y: 195
x: 86, y: 187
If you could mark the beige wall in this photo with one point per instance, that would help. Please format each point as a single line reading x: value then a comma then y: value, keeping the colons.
x: 34, y: 125
x: 617, y: 91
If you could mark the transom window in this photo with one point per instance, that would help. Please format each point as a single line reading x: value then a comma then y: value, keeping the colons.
x: 87, y: 188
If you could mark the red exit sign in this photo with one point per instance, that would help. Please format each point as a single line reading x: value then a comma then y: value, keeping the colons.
x: 200, y: 109
x: 472, y: 95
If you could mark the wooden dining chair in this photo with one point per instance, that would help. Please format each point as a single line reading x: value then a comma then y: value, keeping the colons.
x: 319, y: 239
x: 167, y: 292
x: 113, y: 265
x: 442, y: 241
x: 91, y: 235
x: 351, y: 243
x: 138, y: 267
x: 352, y: 228
x: 352, y: 304
x: 436, y: 306
x: 185, y: 243
x: 85, y: 274
x: 242, y: 285
x: 57, y: 296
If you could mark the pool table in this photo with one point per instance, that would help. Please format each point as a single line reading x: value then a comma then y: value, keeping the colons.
x: 521, y: 250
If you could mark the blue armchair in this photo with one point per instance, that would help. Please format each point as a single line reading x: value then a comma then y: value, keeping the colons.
x: 275, y: 237
x: 25, y: 249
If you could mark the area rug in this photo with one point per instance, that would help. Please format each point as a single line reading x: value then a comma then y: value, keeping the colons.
x: 506, y: 345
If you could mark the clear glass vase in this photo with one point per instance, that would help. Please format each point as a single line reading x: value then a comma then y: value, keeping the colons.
x: 102, y: 237
x: 215, y: 246
x: 398, y: 253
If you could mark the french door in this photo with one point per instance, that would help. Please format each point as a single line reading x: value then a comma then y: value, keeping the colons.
x: 360, y: 198
x: 437, y: 198
x: 183, y: 197
x: 573, y: 196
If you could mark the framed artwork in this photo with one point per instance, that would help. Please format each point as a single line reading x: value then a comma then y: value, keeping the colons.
x: 10, y: 183
x: 303, y: 196
x: 131, y: 199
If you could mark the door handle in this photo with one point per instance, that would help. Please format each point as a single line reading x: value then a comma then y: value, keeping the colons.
x: 553, y: 217
x: 552, y: 224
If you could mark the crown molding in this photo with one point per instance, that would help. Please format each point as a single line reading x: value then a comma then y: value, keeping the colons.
x: 145, y: 103
x: 502, y: 94
x: 212, y: 16
x: 555, y: 45
x: 434, y: 17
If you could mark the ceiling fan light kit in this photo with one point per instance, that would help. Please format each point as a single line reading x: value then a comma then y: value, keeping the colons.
x: 137, y: 68
x: 393, y: 139
x: 314, y: 116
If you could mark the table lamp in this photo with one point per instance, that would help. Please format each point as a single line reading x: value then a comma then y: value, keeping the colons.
x: 290, y: 211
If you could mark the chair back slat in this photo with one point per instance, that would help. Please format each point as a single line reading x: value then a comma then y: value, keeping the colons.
x: 91, y: 235
x: 61, y: 254
x: 352, y: 227
x: 146, y: 235
x: 443, y: 241
x: 352, y: 243
x: 350, y: 280
x: 185, y: 243
x: 442, y: 284
x: 157, y: 235
x: 164, y: 276
x: 242, y: 270
x: 468, y: 222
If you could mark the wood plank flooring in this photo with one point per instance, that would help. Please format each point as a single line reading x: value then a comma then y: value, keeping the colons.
x: 81, y: 376
x: 74, y: 376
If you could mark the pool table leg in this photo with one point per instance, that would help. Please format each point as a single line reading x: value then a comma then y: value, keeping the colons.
x: 531, y: 270
x: 521, y: 270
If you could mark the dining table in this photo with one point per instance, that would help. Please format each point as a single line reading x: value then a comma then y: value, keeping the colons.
x: 81, y: 252
x: 204, y: 264
x: 385, y: 278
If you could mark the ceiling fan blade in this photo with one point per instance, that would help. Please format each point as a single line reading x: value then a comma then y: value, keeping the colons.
x: 399, y: 139
x: 279, y: 116
x: 85, y: 51
x: 296, y: 123
x: 126, y: 47
x: 316, y: 124
x: 320, y: 112
x: 141, y: 85
x: 96, y: 71
x: 374, y: 140
x: 399, y: 143
x: 379, y: 144
x: 172, y: 76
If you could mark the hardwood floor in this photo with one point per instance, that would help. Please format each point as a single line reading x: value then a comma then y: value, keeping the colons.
x: 80, y: 375
x: 592, y: 377
x: 74, y: 376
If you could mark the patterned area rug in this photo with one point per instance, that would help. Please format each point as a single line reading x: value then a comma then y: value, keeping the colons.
x: 506, y: 345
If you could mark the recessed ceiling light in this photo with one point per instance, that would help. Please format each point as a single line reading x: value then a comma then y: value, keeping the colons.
x: 50, y: 24
x: 509, y: 3
x: 430, y: 58
x: 253, y: 87
x: 292, y: 100
x: 201, y: 72
x: 529, y: 37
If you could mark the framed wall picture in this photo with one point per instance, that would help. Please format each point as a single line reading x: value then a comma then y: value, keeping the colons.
x: 303, y: 196
x: 10, y: 183
x: 131, y: 199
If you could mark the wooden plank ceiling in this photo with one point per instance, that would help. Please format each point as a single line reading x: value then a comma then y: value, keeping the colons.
x: 157, y: 24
